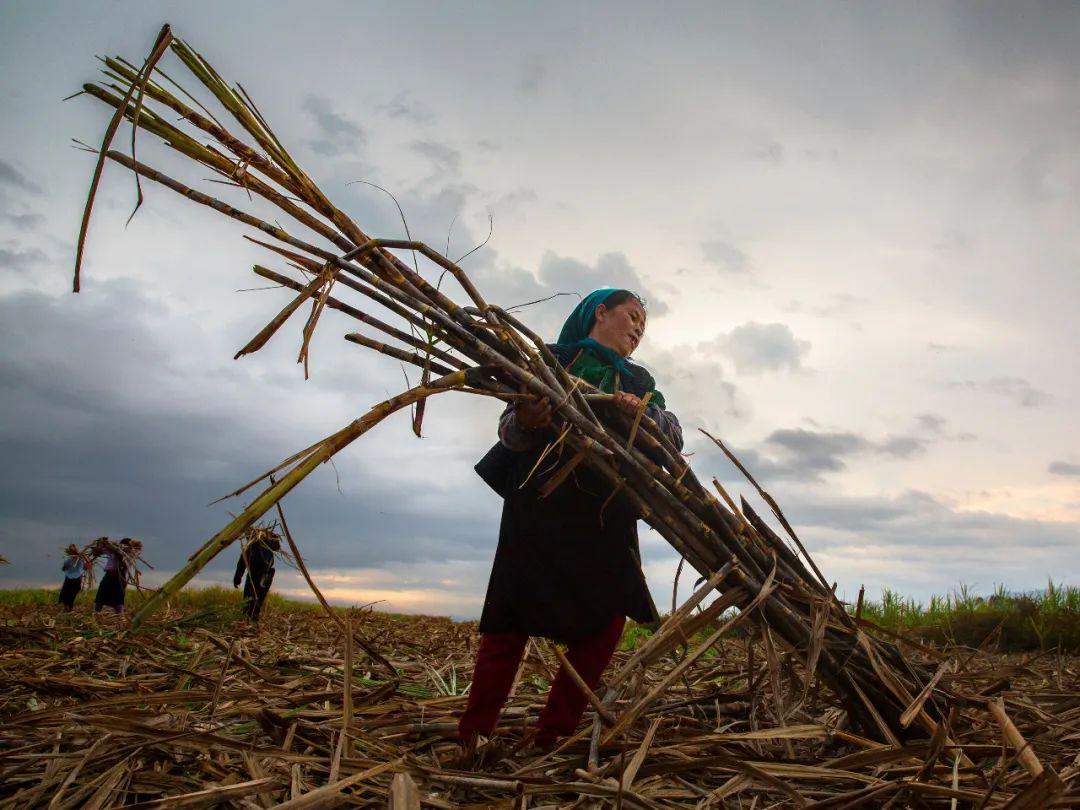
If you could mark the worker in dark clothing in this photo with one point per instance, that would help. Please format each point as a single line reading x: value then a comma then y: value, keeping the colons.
x: 257, y: 558
x: 73, y: 567
x: 119, y: 564
x: 567, y: 565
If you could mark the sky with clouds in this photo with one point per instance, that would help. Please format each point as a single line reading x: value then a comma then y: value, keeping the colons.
x: 855, y: 225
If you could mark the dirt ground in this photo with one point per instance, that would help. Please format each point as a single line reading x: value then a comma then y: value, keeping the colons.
x: 197, y: 710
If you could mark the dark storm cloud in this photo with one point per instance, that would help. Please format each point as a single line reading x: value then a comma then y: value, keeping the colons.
x: 933, y: 425
x: 801, y: 455
x: 903, y: 447
x: 13, y: 178
x: 338, y: 134
x: 931, y: 422
x: 758, y: 347
x: 565, y: 274
x: 434, y: 212
x: 405, y: 108
x: 445, y: 159
x: 14, y: 189
x: 513, y: 201
x: 695, y: 388
x: 1064, y: 468
x: 918, y: 520
x: 23, y: 221
x: 813, y: 452
x: 557, y: 286
x: 115, y: 439
x: 1019, y: 390
x: 14, y: 257
x: 912, y: 541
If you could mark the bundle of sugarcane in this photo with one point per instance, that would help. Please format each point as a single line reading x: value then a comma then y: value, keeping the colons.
x: 128, y: 552
x: 265, y: 533
x: 84, y: 557
x: 479, y: 348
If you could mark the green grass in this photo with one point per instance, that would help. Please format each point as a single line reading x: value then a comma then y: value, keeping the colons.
x: 1007, y: 621
x: 634, y: 636
x: 1035, y: 620
x: 214, y: 606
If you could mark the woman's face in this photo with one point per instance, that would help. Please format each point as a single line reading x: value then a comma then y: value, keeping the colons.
x: 619, y: 327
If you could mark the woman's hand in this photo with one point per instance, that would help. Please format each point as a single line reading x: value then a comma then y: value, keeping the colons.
x: 627, y: 403
x: 533, y: 413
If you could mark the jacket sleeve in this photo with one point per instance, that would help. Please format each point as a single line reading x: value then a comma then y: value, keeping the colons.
x: 241, y: 564
x: 513, y: 436
x: 668, y: 423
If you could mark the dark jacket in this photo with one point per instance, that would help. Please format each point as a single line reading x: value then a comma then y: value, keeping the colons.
x: 566, y: 564
x: 258, y: 559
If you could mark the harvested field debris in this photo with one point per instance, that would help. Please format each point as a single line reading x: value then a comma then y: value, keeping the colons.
x: 188, y: 715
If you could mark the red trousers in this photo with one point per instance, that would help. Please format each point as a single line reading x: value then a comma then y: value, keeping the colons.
x: 497, y: 663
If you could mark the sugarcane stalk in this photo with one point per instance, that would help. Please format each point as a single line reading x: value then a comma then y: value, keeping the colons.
x: 275, y: 492
x: 363, y: 317
x: 374, y: 294
x: 212, y: 128
x: 164, y: 37
x: 392, y: 351
x: 391, y: 268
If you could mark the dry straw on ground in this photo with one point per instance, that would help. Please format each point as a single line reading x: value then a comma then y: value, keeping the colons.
x: 909, y: 715
x: 180, y: 715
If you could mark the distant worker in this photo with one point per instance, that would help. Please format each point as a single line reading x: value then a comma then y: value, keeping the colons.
x: 258, y: 558
x: 73, y: 574
x: 112, y: 590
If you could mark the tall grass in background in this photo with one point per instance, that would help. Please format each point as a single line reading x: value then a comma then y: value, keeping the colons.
x: 1006, y: 621
x: 1010, y: 621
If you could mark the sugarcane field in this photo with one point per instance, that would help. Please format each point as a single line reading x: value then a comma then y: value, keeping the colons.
x: 540, y: 406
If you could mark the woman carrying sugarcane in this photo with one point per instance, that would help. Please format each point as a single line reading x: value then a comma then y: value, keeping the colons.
x: 567, y: 565
x: 119, y: 559
x: 73, y: 575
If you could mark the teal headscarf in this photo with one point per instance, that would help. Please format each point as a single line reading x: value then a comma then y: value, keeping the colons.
x: 575, y: 332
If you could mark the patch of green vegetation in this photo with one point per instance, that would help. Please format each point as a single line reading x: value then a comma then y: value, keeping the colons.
x: 1010, y: 622
x: 1013, y: 622
x: 634, y: 636
x: 24, y: 597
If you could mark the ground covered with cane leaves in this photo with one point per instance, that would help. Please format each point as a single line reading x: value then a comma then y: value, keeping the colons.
x: 199, y: 710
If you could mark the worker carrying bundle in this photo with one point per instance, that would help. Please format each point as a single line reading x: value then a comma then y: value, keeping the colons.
x: 120, y: 569
x: 74, y: 566
x: 257, y: 558
x: 567, y: 566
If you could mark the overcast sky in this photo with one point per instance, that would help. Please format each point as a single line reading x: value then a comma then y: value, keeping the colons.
x: 856, y: 226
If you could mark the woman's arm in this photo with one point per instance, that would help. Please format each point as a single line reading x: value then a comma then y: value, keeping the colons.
x: 512, y: 435
x: 668, y: 423
x: 241, y: 566
x: 522, y: 424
